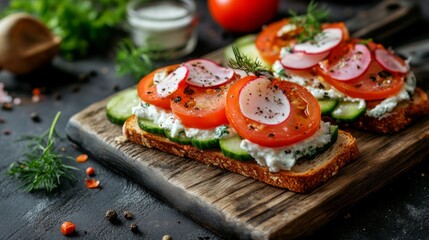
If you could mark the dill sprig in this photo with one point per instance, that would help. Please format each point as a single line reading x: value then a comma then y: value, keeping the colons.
x: 134, y: 60
x: 311, y: 22
x: 42, y: 167
x: 248, y: 65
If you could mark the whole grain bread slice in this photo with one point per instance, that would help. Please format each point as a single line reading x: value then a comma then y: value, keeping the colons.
x: 303, y: 177
x: 405, y: 113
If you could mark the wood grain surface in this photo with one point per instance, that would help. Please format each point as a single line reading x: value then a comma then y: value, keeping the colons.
x: 238, y: 207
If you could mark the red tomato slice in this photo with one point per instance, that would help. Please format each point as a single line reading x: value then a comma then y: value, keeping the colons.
x: 375, y: 83
x: 147, y: 89
x: 269, y: 44
x: 202, y: 108
x: 302, y: 122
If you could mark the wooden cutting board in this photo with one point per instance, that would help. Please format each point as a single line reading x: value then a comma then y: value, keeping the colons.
x: 238, y: 207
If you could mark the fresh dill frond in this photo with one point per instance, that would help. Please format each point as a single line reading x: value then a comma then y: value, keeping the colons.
x: 310, y: 23
x: 243, y: 62
x: 132, y: 59
x: 42, y: 167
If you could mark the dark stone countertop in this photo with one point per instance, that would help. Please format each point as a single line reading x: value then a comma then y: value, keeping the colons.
x: 397, y: 211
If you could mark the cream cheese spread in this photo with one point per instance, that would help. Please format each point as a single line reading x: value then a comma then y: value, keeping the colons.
x: 284, y: 158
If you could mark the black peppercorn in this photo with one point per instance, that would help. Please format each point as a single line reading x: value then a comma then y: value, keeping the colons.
x: 35, y: 117
x: 111, y: 215
x: 7, y: 106
x: 128, y: 214
x: 134, y: 228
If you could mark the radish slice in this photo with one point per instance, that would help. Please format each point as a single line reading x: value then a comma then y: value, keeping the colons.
x: 261, y: 102
x: 171, y: 83
x: 351, y: 65
x: 205, y: 73
x: 300, y: 60
x: 390, y: 62
x: 324, y: 42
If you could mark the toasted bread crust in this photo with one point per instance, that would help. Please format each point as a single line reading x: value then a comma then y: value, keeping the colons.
x: 303, y: 177
x: 405, y: 113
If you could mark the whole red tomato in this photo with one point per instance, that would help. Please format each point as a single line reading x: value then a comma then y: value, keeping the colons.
x: 242, y: 15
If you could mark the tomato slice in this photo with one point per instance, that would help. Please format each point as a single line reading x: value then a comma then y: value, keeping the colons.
x: 269, y: 43
x: 302, y: 122
x: 375, y: 83
x: 147, y: 89
x: 202, y: 108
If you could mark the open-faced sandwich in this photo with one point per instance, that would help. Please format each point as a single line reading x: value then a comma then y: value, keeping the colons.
x: 356, y: 82
x: 256, y: 126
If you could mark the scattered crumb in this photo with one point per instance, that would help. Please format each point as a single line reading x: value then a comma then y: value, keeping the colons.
x: 7, y: 132
x: 17, y: 101
x: 104, y: 70
x: 167, y: 237
x: 347, y: 216
x: 35, y: 98
x: 120, y: 139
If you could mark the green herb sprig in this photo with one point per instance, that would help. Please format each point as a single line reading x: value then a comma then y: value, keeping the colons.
x: 43, y: 168
x: 311, y: 22
x: 134, y: 60
x: 85, y: 26
x: 246, y: 64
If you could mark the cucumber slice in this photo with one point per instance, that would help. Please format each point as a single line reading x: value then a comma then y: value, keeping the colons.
x: 181, y: 138
x: 348, y: 111
x: 230, y: 147
x: 333, y: 130
x: 205, y: 143
x: 118, y: 108
x: 327, y: 105
x: 149, y: 126
x: 246, y: 46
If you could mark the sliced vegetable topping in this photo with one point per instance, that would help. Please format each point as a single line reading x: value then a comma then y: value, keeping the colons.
x: 347, y: 62
x: 202, y: 108
x: 302, y: 122
x: 323, y: 42
x: 375, y: 83
x: 264, y: 103
x: 300, y: 60
x: 205, y: 73
x: 172, y: 82
x: 147, y: 88
x: 269, y: 44
x: 390, y: 62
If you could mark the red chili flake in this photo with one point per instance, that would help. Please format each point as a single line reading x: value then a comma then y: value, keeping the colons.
x: 90, y: 171
x: 82, y: 158
x: 36, y: 92
x: 68, y: 228
x: 92, y: 183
